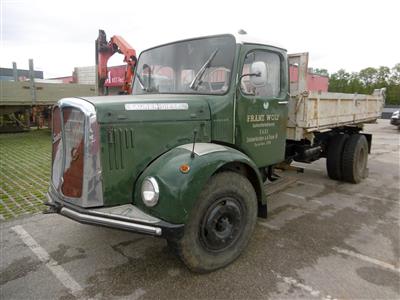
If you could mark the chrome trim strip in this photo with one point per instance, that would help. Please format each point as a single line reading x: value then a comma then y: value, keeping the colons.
x: 55, y: 157
x: 84, y: 218
x: 203, y: 148
x: 283, y: 102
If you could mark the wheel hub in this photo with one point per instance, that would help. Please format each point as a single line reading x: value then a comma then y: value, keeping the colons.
x: 221, y: 224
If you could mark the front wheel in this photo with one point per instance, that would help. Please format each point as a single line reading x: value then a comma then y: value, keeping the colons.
x: 220, y: 223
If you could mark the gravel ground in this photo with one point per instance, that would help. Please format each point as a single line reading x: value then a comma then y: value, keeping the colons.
x: 24, y: 172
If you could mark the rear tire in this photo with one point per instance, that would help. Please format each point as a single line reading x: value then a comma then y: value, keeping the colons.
x: 334, y: 156
x: 220, y: 223
x: 355, y: 159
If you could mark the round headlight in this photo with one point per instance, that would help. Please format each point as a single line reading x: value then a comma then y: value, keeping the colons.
x: 150, y: 191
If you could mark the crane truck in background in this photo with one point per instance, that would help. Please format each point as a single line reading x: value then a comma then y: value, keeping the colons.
x: 190, y: 155
x: 104, y: 51
x: 24, y: 103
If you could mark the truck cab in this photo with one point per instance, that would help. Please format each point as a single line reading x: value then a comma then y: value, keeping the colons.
x: 243, y: 83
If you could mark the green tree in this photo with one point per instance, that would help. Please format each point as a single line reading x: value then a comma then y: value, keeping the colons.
x: 395, y: 75
x: 382, y: 76
x: 368, y: 79
x: 368, y: 76
x: 354, y: 85
x: 338, y: 81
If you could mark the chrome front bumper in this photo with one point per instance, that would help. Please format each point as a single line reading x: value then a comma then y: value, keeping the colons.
x: 124, y: 217
x: 124, y: 225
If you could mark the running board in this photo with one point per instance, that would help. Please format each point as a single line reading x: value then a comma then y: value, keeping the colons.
x: 278, y: 185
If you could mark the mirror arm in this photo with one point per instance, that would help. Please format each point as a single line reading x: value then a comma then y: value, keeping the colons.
x: 258, y: 74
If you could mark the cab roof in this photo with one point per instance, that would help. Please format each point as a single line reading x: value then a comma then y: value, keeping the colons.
x: 241, y: 37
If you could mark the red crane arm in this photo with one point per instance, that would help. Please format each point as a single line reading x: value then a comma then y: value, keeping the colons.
x: 104, y: 50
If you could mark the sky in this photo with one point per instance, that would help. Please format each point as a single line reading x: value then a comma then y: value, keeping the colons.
x: 60, y: 35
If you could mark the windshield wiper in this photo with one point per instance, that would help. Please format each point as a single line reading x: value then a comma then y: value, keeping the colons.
x: 140, y: 80
x: 196, y: 80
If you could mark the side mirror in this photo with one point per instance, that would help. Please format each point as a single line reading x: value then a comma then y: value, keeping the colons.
x: 259, y: 68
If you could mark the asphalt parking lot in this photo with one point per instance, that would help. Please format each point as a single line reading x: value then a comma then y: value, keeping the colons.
x: 323, y: 240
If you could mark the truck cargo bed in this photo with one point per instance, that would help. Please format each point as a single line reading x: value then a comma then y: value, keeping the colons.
x: 312, y: 111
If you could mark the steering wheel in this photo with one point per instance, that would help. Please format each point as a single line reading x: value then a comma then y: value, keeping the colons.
x: 226, y: 77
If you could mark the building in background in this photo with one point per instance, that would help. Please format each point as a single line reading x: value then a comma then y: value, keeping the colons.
x: 84, y: 75
x: 64, y: 79
x: 315, y: 82
x: 87, y: 75
x: 7, y: 74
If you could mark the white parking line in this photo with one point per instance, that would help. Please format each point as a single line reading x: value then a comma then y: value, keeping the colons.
x: 312, y: 184
x: 294, y: 195
x: 137, y: 294
x: 301, y: 197
x: 313, y: 292
x: 51, y: 264
x: 367, y: 259
x: 360, y: 195
x: 268, y: 226
x: 376, y: 198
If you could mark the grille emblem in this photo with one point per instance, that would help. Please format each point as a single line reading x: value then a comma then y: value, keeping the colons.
x: 74, y: 154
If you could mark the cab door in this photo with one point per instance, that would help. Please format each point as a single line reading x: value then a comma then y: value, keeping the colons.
x: 262, y: 104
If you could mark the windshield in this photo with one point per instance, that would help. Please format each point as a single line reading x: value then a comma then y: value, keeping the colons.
x: 200, y: 66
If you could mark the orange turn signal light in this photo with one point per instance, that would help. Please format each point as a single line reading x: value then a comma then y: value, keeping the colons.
x: 185, y: 168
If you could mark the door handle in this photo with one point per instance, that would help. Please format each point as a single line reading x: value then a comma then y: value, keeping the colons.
x: 283, y: 102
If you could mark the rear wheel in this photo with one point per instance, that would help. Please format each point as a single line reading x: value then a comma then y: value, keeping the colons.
x: 220, y: 223
x: 355, y: 159
x: 334, y: 156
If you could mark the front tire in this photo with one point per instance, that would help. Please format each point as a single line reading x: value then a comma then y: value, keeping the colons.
x: 220, y: 223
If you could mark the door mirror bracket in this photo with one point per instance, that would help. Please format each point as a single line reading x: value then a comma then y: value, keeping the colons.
x: 258, y: 74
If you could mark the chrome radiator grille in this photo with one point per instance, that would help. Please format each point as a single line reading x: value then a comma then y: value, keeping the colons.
x: 76, y: 171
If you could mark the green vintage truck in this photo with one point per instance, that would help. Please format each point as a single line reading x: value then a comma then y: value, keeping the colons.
x: 190, y: 155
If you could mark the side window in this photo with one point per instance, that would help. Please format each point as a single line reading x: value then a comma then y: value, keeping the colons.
x: 272, y: 86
